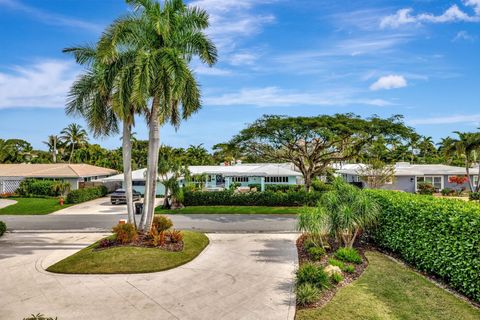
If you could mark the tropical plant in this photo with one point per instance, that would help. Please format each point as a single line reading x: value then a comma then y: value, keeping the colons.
x: 125, y: 233
x: 161, y: 223
x: 313, y: 274
x: 348, y: 255
x: 316, y: 223
x: 53, y: 143
x: 163, y: 37
x: 74, y: 136
x: 307, y: 294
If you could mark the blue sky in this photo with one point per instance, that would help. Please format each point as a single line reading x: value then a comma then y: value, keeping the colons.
x: 418, y: 58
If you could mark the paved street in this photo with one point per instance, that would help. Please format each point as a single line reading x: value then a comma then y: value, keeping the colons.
x: 238, y: 276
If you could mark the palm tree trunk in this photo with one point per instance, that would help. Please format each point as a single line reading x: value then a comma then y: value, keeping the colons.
x: 54, y: 151
x: 152, y: 167
x: 71, y: 153
x: 127, y: 169
x: 470, y: 183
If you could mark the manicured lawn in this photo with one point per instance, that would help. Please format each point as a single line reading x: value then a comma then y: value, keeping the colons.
x: 131, y: 259
x: 33, y: 206
x: 231, y: 210
x: 388, y: 290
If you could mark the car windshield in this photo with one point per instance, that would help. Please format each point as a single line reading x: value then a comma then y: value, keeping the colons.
x: 120, y: 191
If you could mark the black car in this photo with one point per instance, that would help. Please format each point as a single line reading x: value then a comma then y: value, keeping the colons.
x: 118, y: 197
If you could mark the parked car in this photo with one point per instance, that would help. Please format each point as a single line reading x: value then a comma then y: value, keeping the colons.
x: 118, y: 197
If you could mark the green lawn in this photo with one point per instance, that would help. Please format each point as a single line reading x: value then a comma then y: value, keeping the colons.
x: 33, y: 206
x: 231, y: 210
x: 131, y: 259
x: 388, y: 290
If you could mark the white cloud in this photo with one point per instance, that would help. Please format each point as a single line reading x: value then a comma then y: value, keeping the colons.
x: 211, y: 71
x: 50, y: 18
x: 243, y: 58
x: 389, y: 82
x: 276, y: 97
x: 405, y: 16
x: 472, y: 118
x: 44, y: 84
x: 464, y: 35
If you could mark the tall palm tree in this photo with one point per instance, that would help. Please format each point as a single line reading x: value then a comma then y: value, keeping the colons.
x: 52, y: 143
x: 102, y: 96
x: 164, y: 37
x: 74, y: 136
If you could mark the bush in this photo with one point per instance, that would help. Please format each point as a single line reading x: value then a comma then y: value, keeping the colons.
x: 426, y: 188
x: 3, y: 228
x: 125, y: 233
x: 308, y: 243
x: 86, y: 194
x: 106, y: 242
x: 37, y: 187
x: 310, y: 273
x: 283, y: 187
x: 175, y: 236
x: 474, y: 196
x: 267, y: 198
x: 316, y: 253
x: 337, y: 263
x: 349, y: 269
x: 447, y: 192
x: 320, y: 186
x: 307, y: 294
x: 437, y: 236
x: 336, y: 278
x: 157, y: 238
x: 348, y: 255
x: 161, y: 223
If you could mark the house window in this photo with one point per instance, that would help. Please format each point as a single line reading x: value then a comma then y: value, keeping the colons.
x: 435, y: 181
x: 276, y: 179
x: 240, y: 179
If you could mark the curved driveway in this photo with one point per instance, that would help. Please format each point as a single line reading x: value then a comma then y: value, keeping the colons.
x: 238, y: 276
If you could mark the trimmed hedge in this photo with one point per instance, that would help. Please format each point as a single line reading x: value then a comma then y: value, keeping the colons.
x: 438, y: 236
x: 86, y: 194
x: 267, y: 198
x: 38, y: 187
x: 3, y: 228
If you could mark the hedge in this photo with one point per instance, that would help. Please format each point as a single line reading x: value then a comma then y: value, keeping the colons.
x: 267, y: 198
x: 3, y: 228
x: 38, y: 187
x: 86, y: 194
x: 437, y: 236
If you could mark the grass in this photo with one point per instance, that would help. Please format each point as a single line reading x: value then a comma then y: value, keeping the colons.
x: 131, y: 259
x: 388, y: 290
x: 33, y: 206
x: 230, y: 210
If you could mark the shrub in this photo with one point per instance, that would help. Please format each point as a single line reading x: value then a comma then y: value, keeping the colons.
x: 267, y: 198
x: 283, y: 187
x: 349, y: 269
x: 316, y: 253
x: 474, y: 196
x: 310, y: 273
x: 336, y: 278
x: 161, y: 223
x: 307, y: 294
x: 447, y: 192
x: 106, y: 242
x: 437, y: 236
x: 348, y: 255
x: 426, y: 188
x: 3, y: 228
x: 7, y: 195
x: 308, y: 243
x: 320, y: 186
x: 175, y: 236
x: 86, y: 194
x: 125, y: 233
x: 335, y: 262
x: 157, y: 238
x: 38, y: 187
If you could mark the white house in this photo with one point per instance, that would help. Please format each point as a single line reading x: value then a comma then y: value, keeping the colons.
x: 222, y: 176
x: 12, y: 174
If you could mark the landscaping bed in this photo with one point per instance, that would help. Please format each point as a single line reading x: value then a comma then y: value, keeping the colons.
x: 231, y: 210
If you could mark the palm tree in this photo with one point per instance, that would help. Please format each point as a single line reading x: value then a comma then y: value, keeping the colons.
x: 74, y: 135
x: 52, y: 143
x: 197, y: 155
x: 164, y: 37
x: 102, y: 96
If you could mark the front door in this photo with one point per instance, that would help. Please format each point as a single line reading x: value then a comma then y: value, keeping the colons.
x: 220, y: 181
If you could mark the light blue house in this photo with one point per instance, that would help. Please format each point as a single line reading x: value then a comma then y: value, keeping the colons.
x: 222, y: 176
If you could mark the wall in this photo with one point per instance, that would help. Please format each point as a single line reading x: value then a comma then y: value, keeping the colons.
x: 141, y: 189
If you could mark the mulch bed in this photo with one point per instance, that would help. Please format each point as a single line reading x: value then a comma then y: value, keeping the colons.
x: 328, y: 294
x: 143, y: 241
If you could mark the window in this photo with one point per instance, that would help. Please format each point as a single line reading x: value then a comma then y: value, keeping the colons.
x: 475, y: 180
x: 436, y: 182
x: 276, y: 179
x: 138, y: 183
x: 240, y: 179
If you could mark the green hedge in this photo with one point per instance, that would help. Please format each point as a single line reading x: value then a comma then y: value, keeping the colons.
x: 267, y: 198
x: 3, y: 228
x: 86, y: 194
x: 38, y: 187
x: 438, y: 236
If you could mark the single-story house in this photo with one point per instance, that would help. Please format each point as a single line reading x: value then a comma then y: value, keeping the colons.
x: 409, y: 176
x: 76, y: 174
x: 222, y: 176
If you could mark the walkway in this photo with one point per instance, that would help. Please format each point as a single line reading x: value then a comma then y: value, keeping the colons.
x: 238, y: 276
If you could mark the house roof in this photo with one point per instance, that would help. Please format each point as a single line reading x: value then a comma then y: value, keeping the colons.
x: 53, y: 170
x: 245, y: 170
x: 407, y: 169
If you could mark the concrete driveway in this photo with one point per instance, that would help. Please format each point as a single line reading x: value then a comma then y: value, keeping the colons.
x: 98, y: 206
x: 238, y: 276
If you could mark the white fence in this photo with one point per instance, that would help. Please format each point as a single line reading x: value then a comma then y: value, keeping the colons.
x: 9, y: 185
